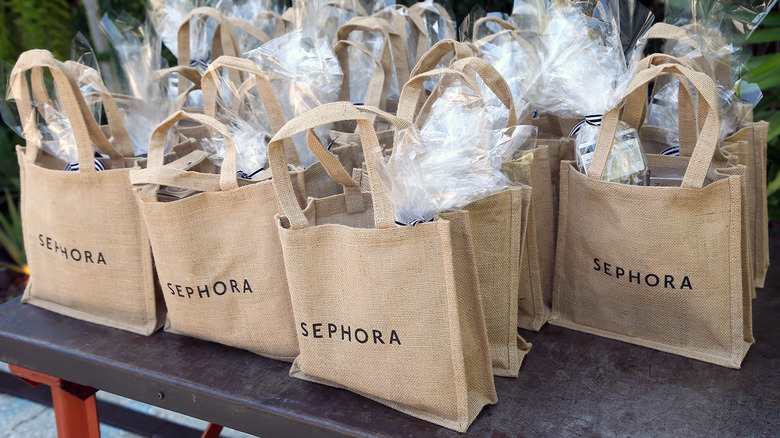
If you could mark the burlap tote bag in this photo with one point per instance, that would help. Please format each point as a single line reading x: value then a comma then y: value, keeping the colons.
x: 535, y: 299
x: 747, y: 147
x: 217, y: 251
x: 86, y: 244
x: 499, y: 225
x: 662, y: 267
x: 391, y: 313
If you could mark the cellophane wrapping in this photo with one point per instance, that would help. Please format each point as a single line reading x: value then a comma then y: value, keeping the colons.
x: 304, y: 73
x: 454, y: 159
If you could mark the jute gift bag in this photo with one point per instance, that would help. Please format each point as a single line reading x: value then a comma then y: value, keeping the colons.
x: 391, y: 313
x: 498, y: 227
x: 662, y: 267
x: 217, y: 252
x: 747, y: 147
x: 86, y: 244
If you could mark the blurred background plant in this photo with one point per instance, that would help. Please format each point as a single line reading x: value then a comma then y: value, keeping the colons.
x: 52, y: 24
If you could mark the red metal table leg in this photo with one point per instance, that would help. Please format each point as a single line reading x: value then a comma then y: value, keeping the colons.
x: 74, y: 405
x: 212, y: 431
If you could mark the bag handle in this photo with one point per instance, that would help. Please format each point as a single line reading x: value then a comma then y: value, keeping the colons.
x: 493, y: 80
x: 504, y: 24
x: 122, y: 141
x: 267, y: 97
x: 431, y: 58
x: 421, y: 8
x: 707, y: 143
x: 85, y: 128
x: 157, y: 174
x: 120, y: 136
x: 323, y: 115
x: 407, y: 105
x: 690, y: 119
x: 191, y: 74
x: 721, y: 73
x: 225, y: 41
x: 396, y: 41
x: 378, y: 86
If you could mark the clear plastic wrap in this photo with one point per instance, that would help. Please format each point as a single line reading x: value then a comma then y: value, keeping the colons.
x: 249, y: 134
x: 438, y: 20
x: 510, y: 51
x: 588, y: 51
x: 584, y: 67
x: 323, y: 18
x: 48, y: 127
x: 304, y: 73
x: 263, y: 14
x: 82, y: 53
x: 167, y: 16
x: 627, y: 163
x: 663, y: 109
x: 454, y: 159
x: 713, y: 32
x: 147, y: 99
x: 362, y: 66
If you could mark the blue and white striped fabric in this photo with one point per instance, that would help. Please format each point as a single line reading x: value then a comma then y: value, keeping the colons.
x: 592, y: 120
x: 74, y: 167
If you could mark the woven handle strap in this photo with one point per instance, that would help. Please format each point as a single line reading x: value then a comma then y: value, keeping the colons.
x: 721, y: 72
x: 156, y: 173
x: 493, y: 80
x: 225, y: 40
x: 413, y: 90
x: 85, y: 129
x: 267, y: 97
x: 430, y: 59
x: 323, y: 115
x: 690, y: 119
x: 378, y: 85
x: 121, y: 138
x: 396, y: 41
x: 279, y: 23
x: 703, y: 153
x: 485, y: 20
x: 421, y: 8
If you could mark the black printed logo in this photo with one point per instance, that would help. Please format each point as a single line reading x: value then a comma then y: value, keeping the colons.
x: 346, y: 333
x: 74, y: 254
x: 650, y: 279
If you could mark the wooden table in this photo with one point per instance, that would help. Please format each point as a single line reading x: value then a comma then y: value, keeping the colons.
x: 571, y: 384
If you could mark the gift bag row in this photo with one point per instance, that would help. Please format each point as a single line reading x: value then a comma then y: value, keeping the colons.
x: 392, y: 243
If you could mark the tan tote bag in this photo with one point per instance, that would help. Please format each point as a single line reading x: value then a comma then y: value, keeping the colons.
x: 662, y: 267
x: 86, y: 244
x: 747, y: 146
x: 391, y: 313
x: 497, y: 223
x: 217, y: 251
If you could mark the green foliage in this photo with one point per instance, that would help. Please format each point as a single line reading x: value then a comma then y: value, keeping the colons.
x: 763, y: 69
x: 11, y: 238
x: 31, y: 24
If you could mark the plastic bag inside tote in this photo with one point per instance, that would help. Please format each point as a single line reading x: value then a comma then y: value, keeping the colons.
x: 144, y: 98
x: 453, y: 159
x: 304, y: 73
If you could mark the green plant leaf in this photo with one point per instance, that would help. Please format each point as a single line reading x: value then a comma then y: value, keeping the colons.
x: 764, y: 35
x: 763, y: 65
